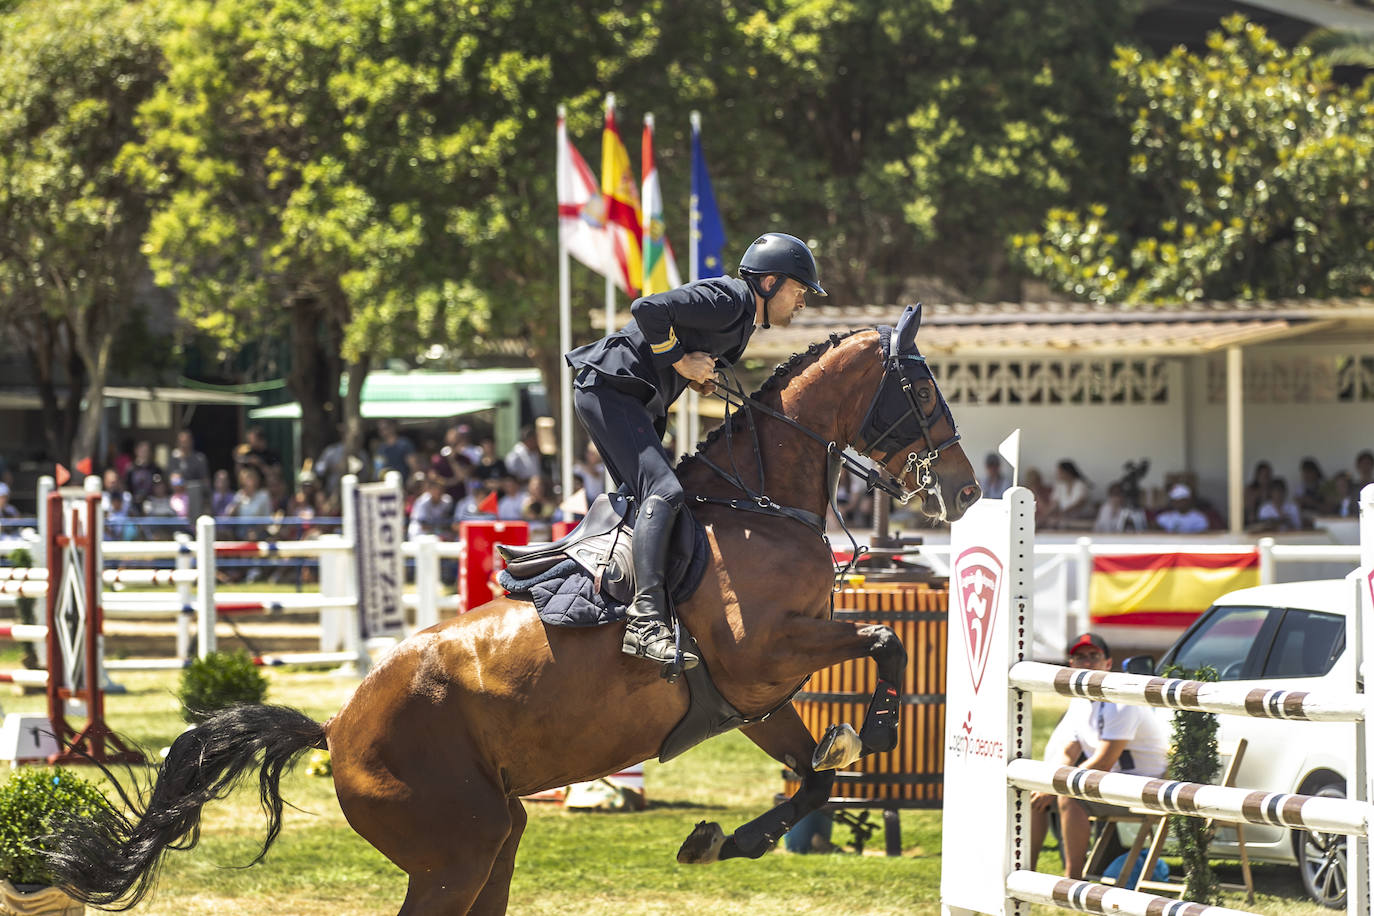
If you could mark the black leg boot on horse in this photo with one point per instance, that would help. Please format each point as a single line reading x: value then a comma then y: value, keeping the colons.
x: 649, y: 630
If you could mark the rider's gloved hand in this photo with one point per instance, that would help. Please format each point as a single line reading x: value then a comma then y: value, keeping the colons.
x: 696, y: 367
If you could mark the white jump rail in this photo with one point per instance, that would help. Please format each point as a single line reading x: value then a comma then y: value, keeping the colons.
x: 989, y: 773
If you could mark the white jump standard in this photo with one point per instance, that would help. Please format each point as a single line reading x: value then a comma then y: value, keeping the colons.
x: 989, y: 773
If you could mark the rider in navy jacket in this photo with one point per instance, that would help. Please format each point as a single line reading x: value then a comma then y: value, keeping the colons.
x: 625, y: 383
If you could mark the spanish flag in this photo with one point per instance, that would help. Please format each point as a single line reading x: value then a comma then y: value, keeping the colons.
x: 622, y: 201
x: 1166, y: 589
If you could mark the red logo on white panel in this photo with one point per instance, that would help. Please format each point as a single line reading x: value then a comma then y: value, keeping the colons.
x: 978, y: 582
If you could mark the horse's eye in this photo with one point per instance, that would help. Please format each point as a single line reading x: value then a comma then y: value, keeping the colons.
x: 923, y: 393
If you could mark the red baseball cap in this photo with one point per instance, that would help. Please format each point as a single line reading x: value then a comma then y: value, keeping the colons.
x: 1090, y: 640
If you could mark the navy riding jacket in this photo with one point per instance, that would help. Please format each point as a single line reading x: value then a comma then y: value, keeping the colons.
x: 714, y: 315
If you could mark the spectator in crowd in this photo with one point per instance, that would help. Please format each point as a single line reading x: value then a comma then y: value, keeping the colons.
x: 254, y: 451
x: 1364, y: 470
x: 190, y: 465
x: 392, y: 449
x: 6, y: 510
x: 221, y: 494
x: 433, y: 510
x: 465, y: 445
x: 1345, y: 502
x: 158, y: 505
x: 591, y: 471
x: 274, y: 482
x: 1312, y: 493
x: 414, y: 486
x: 180, y: 500
x: 112, y: 482
x: 1034, y: 481
x: 6, y: 476
x: 1278, y: 512
x: 122, y: 457
x: 1182, y: 516
x: 138, y: 479
x: 452, y: 465
x: 117, y: 516
x: 251, y: 501
x: 1070, y: 497
x: 1094, y: 735
x: 524, y: 460
x: 1257, y: 490
x: 994, y: 482
x: 476, y: 504
x: 489, y: 459
x: 510, y: 494
x: 1114, y: 515
x: 335, y: 462
x: 539, y: 504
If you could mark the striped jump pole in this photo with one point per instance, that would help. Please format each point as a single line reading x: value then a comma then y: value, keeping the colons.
x: 989, y: 773
x: 24, y: 632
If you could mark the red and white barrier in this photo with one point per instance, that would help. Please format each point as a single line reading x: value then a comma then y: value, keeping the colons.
x: 988, y: 770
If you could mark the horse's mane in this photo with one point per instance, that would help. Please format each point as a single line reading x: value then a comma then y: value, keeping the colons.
x: 775, y: 382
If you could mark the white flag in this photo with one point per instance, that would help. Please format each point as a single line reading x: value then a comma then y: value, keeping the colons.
x: 582, y: 211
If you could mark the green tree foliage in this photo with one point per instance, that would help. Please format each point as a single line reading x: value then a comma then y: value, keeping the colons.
x: 1250, y: 179
x: 72, y: 75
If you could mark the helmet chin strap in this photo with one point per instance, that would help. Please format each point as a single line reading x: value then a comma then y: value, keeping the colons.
x: 756, y: 284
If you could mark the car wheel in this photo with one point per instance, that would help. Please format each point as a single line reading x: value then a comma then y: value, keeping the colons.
x: 1321, y: 858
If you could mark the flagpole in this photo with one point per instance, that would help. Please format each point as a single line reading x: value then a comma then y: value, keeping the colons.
x: 693, y: 274
x: 610, y: 284
x: 565, y: 410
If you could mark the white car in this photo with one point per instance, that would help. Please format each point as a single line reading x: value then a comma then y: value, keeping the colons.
x: 1290, y: 636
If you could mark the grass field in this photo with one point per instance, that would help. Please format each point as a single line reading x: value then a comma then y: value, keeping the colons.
x: 570, y: 863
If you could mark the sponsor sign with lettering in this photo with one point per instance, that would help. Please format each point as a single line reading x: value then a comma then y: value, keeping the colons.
x: 381, y: 566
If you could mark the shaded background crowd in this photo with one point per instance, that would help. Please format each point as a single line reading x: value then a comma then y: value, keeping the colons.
x: 446, y: 482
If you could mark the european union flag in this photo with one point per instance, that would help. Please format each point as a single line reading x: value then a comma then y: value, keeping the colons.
x: 707, y: 231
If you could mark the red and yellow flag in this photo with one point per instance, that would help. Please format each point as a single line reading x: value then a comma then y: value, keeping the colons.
x: 621, y: 193
x: 1165, y: 589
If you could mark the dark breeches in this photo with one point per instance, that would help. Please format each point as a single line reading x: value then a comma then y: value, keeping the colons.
x: 630, y: 442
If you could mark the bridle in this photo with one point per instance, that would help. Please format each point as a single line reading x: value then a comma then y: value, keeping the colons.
x: 880, y: 431
x: 876, y: 431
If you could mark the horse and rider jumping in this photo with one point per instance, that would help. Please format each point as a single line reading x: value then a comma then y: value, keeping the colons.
x: 434, y: 750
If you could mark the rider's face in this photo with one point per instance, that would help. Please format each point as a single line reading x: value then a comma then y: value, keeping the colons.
x: 790, y: 299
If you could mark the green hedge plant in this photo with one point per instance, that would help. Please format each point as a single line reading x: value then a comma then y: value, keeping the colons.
x: 33, y: 803
x: 217, y: 681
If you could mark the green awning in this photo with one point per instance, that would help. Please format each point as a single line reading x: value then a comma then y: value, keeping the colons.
x: 400, y: 410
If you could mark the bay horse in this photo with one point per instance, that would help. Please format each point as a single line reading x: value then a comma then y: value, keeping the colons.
x: 434, y: 750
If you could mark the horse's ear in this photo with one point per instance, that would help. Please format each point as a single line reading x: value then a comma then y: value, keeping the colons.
x: 905, y: 337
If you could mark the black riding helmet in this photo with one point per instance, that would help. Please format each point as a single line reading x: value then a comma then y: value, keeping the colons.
x: 778, y: 253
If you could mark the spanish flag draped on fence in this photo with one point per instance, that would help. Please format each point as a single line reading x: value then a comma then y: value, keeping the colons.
x: 1165, y: 589
x: 622, y: 202
x: 660, y: 267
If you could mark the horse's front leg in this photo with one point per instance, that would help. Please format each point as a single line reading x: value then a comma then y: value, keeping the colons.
x: 785, y: 738
x: 803, y: 645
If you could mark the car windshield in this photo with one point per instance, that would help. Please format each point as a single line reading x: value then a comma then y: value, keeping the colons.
x: 1223, y: 641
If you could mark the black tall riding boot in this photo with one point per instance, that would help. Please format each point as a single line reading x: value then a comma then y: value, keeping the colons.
x: 649, y: 633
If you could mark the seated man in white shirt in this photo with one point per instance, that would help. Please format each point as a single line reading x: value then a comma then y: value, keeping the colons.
x: 1095, y: 735
x: 1182, y: 517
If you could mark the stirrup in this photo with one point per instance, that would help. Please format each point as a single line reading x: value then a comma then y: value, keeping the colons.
x: 654, y: 641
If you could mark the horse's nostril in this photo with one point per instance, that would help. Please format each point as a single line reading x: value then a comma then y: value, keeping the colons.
x: 969, y: 495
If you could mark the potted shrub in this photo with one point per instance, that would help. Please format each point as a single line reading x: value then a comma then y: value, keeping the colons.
x: 33, y: 801
x: 217, y: 681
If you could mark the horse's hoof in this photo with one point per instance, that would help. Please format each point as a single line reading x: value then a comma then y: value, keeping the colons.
x: 839, y: 748
x: 702, y: 847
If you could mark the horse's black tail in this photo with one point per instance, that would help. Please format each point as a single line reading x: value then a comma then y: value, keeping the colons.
x: 111, y: 860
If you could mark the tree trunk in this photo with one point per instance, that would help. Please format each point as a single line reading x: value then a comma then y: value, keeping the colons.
x: 353, y: 406
x: 314, y: 375
x: 87, y: 441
